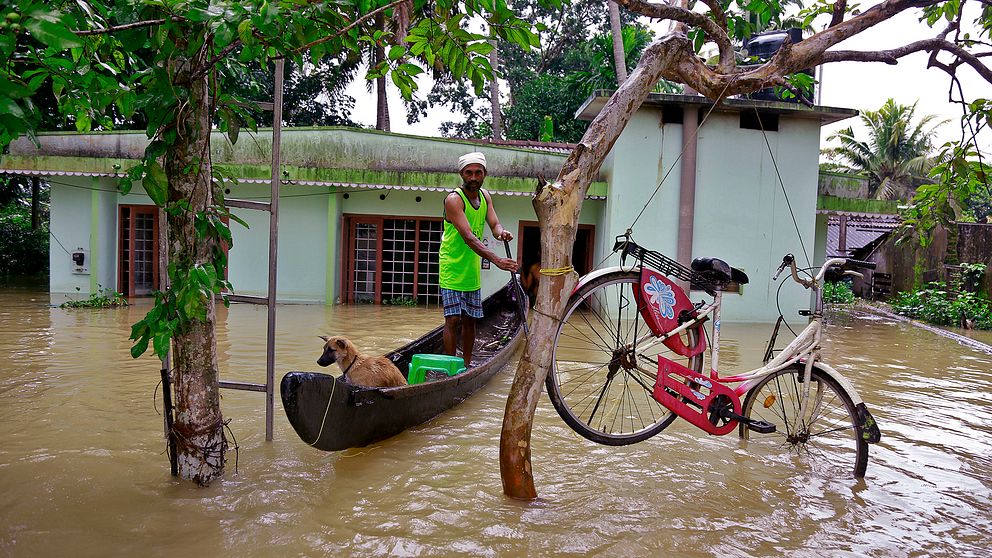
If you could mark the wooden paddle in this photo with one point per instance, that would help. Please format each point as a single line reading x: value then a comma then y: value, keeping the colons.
x: 521, y: 297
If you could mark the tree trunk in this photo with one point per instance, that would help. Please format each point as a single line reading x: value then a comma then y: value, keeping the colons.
x: 558, y: 206
x: 35, y: 192
x: 619, y: 60
x: 199, y: 428
x: 382, y: 104
x: 494, y: 94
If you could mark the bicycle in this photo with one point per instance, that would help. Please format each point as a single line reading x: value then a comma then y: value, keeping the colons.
x: 628, y: 358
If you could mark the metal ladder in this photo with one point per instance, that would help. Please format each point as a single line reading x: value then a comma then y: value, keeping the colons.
x: 272, y: 207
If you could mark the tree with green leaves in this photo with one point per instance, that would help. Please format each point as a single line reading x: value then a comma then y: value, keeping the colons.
x: 563, y: 26
x: 164, y: 59
x: 547, y: 95
x: 313, y: 94
x: 559, y: 95
x: 897, y: 154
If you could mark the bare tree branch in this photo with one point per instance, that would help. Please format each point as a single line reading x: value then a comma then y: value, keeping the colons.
x: 929, y: 45
x: 715, y: 32
x: 217, y: 58
x: 346, y: 28
x: 719, y: 16
x: 125, y: 27
x: 839, y: 12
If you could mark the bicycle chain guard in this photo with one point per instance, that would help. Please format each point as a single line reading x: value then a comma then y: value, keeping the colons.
x: 661, y: 303
x: 695, y: 397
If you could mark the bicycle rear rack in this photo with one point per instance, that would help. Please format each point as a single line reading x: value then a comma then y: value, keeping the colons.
x: 665, y: 265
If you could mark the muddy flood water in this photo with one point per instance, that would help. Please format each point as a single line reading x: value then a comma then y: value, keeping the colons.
x: 83, y: 470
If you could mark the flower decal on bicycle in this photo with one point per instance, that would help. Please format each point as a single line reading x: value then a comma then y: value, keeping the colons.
x: 661, y: 296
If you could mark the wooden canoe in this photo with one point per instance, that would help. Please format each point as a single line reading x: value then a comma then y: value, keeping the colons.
x: 331, y: 415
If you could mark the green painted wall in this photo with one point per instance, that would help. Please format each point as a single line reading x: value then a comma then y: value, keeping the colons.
x: 83, y: 216
x: 741, y: 215
x: 890, y: 207
x: 634, y: 170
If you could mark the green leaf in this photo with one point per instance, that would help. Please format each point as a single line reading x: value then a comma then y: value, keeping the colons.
x: 9, y: 106
x: 126, y: 103
x: 156, y: 183
x: 396, y: 51
x: 411, y: 69
x: 51, y: 33
x: 139, y: 347
x: 481, y: 47
x: 83, y: 122
x: 161, y: 342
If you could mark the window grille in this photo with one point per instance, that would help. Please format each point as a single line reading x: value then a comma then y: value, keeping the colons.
x: 363, y: 284
x: 125, y: 256
x: 399, y: 243
x: 407, y: 264
x: 429, y: 290
x: 144, y: 253
x: 137, y: 250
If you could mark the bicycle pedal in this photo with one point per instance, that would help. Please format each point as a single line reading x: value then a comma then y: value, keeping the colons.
x: 753, y: 425
x: 761, y: 426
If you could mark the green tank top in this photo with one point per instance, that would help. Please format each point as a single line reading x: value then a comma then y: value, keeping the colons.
x: 460, y: 266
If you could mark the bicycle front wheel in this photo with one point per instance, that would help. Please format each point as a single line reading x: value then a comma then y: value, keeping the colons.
x: 824, y: 435
x: 601, y: 382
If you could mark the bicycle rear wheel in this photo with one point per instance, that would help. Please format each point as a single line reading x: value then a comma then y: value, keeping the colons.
x: 595, y: 383
x: 826, y: 437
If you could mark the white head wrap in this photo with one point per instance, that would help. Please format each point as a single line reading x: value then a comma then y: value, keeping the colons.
x: 470, y: 158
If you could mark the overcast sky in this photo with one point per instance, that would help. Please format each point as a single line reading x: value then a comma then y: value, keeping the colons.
x: 862, y: 86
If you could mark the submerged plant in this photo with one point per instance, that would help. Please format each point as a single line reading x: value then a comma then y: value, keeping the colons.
x: 936, y: 305
x: 838, y: 293
x: 103, y: 298
x: 401, y: 301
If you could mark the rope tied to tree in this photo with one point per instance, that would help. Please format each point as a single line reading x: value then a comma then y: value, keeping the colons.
x: 557, y: 271
x: 213, y: 453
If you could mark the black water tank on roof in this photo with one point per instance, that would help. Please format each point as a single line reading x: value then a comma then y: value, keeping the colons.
x: 765, y: 45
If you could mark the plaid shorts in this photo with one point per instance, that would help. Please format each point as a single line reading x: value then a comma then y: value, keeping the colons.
x: 458, y: 302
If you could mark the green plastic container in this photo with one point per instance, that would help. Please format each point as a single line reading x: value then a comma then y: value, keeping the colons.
x: 420, y: 364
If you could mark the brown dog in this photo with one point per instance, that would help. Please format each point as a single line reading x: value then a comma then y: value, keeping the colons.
x: 360, y: 369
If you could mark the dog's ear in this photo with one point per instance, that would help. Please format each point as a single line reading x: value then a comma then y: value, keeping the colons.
x: 325, y: 338
x: 341, y: 344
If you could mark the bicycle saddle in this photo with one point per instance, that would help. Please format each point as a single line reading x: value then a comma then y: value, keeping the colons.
x: 718, y: 270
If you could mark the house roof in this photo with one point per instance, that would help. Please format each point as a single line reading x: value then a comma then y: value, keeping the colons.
x: 826, y: 115
x: 861, y: 231
x: 320, y: 178
x: 320, y: 157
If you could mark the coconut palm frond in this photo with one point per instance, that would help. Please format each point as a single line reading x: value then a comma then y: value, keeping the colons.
x: 897, y: 152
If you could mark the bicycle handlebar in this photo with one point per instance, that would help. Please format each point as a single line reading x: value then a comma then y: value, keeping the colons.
x: 790, y: 261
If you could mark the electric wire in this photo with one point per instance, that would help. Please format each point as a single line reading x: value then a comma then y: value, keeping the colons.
x: 782, y: 184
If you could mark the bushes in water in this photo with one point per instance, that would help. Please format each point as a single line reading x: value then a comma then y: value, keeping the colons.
x: 104, y: 298
x: 933, y: 304
x: 23, y: 251
x: 838, y: 292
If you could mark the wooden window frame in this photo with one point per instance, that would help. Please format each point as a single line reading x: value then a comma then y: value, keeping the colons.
x: 349, y: 243
x: 133, y: 209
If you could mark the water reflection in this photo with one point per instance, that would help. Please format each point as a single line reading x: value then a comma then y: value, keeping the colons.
x: 82, y: 470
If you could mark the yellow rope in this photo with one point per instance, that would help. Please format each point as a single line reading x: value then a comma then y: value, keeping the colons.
x: 556, y: 271
x: 334, y: 384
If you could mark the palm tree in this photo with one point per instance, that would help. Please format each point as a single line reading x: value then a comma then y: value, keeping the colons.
x: 897, y: 154
x: 596, y: 54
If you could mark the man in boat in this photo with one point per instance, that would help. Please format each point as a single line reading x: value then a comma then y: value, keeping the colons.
x: 466, y: 212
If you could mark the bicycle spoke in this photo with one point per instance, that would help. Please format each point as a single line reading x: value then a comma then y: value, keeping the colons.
x: 821, y: 432
x: 595, y: 346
